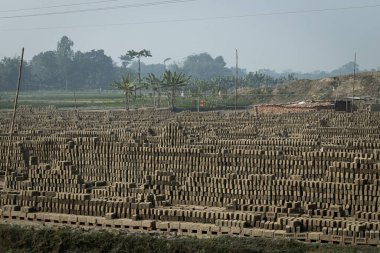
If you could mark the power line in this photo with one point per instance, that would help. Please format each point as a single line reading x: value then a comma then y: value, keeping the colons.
x: 98, y: 9
x: 57, y: 6
x: 197, y: 19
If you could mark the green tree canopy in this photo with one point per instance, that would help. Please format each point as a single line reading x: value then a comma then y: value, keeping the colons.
x: 132, y: 54
x: 65, y: 56
x: 92, y: 69
x: 155, y: 83
x: 45, y: 70
x: 9, y: 68
x: 127, y: 85
x: 204, y: 67
x: 172, y: 81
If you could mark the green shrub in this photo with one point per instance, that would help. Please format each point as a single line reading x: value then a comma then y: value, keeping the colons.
x: 28, y: 239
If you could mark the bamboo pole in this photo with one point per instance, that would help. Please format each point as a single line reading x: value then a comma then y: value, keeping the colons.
x: 14, y: 115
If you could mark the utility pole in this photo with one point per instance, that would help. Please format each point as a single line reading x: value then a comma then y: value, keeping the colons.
x: 159, y: 89
x: 66, y: 76
x: 199, y: 97
x: 339, y: 83
x: 353, y: 85
x: 139, y: 77
x: 75, y: 100
x: 236, y: 80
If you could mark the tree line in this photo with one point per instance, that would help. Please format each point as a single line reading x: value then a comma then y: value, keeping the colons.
x: 61, y: 69
x: 65, y: 69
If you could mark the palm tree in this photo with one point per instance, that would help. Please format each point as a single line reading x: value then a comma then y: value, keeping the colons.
x: 172, y: 81
x: 127, y: 85
x: 132, y: 54
x: 155, y: 83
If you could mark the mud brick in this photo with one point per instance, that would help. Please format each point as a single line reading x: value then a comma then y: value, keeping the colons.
x: 110, y: 216
x: 27, y: 209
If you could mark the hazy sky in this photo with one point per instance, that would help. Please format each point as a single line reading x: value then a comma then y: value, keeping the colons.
x: 274, y: 34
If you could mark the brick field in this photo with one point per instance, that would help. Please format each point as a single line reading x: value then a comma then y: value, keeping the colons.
x: 310, y: 175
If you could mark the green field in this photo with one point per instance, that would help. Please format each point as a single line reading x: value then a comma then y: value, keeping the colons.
x: 115, y: 99
x: 64, y: 99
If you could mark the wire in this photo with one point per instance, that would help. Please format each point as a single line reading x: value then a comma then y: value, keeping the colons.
x: 57, y: 6
x: 98, y: 9
x: 197, y: 19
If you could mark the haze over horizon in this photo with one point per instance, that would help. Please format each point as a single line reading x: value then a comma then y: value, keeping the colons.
x: 293, y: 35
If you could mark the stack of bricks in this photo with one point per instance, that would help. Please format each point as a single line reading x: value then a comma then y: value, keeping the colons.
x: 299, y: 175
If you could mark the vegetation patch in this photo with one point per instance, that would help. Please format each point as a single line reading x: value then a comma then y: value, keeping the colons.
x: 14, y: 238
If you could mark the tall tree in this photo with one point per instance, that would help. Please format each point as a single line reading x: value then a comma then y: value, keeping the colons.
x: 204, y: 67
x: 9, y: 72
x: 65, y: 56
x: 172, y: 81
x: 45, y: 70
x: 132, y: 54
x: 125, y: 60
x: 127, y: 85
x: 92, y: 69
